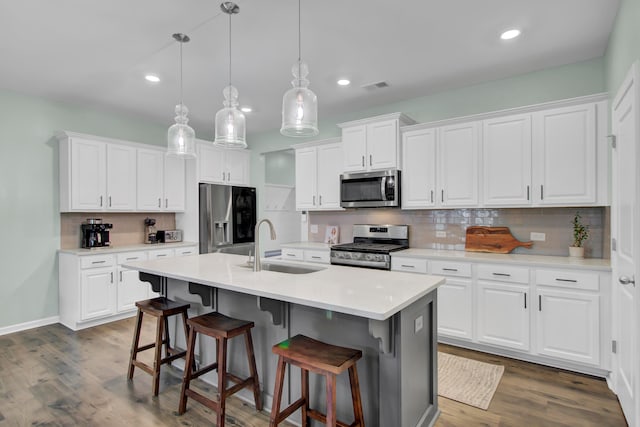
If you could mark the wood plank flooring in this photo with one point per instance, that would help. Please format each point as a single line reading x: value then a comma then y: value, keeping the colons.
x: 51, y: 376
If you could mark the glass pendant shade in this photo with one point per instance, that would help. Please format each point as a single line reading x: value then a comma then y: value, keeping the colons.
x: 181, y: 137
x: 299, y: 105
x: 230, y: 122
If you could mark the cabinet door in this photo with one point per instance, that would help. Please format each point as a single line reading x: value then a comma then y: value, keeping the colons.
x: 237, y: 166
x: 564, y: 142
x: 568, y: 325
x: 382, y: 145
x: 174, y: 184
x: 97, y: 293
x: 130, y: 289
x: 328, y: 175
x: 88, y: 174
x: 354, y: 148
x: 418, y: 178
x: 121, y: 173
x: 455, y: 309
x: 458, y: 165
x: 150, y: 180
x: 506, y: 147
x: 503, y: 315
x: 211, y: 164
x: 306, y: 178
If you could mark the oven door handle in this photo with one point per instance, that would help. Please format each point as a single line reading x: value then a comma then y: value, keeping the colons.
x: 383, y: 188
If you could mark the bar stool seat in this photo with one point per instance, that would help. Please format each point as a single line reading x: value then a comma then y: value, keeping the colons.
x: 323, y: 359
x: 221, y: 328
x: 160, y: 308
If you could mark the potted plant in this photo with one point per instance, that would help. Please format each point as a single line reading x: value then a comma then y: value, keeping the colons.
x: 580, y: 234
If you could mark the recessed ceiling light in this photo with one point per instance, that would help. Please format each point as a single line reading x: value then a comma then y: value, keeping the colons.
x: 152, y: 78
x: 510, y: 34
x: 344, y: 82
x: 246, y: 109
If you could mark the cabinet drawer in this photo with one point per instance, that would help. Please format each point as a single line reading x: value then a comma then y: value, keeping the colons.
x: 448, y: 268
x: 161, y: 253
x: 568, y: 279
x: 413, y: 265
x: 192, y: 250
x: 316, y: 256
x: 95, y: 261
x: 503, y: 274
x: 132, y: 256
x: 293, y: 254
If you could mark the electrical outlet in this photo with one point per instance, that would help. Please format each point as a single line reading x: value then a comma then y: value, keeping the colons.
x: 314, y: 228
x: 418, y: 323
x: 538, y: 237
x: 441, y: 234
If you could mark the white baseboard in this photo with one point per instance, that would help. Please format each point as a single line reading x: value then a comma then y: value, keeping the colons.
x: 29, y: 325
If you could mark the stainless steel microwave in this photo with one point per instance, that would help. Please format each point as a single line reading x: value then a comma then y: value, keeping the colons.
x: 370, y: 189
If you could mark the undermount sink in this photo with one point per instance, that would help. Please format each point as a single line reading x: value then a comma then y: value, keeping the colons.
x: 286, y: 268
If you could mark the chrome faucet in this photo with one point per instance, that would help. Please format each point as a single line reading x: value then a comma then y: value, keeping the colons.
x: 257, y: 265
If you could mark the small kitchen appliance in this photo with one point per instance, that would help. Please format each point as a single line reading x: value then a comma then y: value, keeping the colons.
x: 150, y: 233
x: 169, y: 236
x: 372, y: 246
x: 95, y: 234
x: 370, y: 189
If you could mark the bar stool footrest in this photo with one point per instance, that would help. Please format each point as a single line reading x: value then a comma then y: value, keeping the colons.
x: 285, y: 413
x: 319, y: 416
x: 214, y: 405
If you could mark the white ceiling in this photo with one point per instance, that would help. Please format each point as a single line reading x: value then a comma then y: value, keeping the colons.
x: 95, y: 53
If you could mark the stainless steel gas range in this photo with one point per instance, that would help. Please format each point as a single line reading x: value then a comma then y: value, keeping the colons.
x: 372, y: 246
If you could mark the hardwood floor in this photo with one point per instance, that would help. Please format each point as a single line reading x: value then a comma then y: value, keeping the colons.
x: 52, y: 376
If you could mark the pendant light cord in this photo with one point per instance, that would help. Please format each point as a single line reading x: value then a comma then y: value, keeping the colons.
x: 229, y: 49
x: 299, y: 36
x: 181, y: 99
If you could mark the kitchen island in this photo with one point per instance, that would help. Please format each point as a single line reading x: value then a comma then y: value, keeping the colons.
x: 390, y: 316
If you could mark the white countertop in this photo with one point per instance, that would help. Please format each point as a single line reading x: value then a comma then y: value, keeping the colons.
x: 127, y: 248
x: 307, y: 245
x: 364, y: 292
x: 531, y: 260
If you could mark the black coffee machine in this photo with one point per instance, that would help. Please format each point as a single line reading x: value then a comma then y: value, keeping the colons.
x: 95, y: 234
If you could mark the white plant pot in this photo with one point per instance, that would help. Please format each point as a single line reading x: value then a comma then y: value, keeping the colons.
x: 576, y: 252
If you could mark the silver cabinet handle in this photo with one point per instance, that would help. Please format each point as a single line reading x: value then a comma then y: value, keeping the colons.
x: 112, y: 277
x: 228, y: 176
x: 450, y: 269
x: 539, y: 302
x: 100, y: 201
x: 315, y: 257
x: 320, y: 200
x: 159, y: 202
x: 370, y: 160
x: 525, y: 300
x: 314, y: 200
x: 109, y: 201
x: 166, y: 203
x: 121, y: 275
x: 442, y: 196
x: 625, y: 280
x: 527, y: 192
x: 501, y: 274
x: 567, y: 280
x: 223, y: 176
x: 290, y: 254
x: 542, y: 192
x: 431, y: 196
x: 362, y: 161
x: 98, y: 262
x: 407, y: 266
x: 160, y: 255
x: 132, y: 258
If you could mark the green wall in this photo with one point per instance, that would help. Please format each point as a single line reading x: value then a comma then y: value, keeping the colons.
x: 624, y: 44
x: 29, y: 216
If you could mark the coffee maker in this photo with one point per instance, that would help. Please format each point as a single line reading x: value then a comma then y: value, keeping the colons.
x: 95, y: 234
x: 150, y: 232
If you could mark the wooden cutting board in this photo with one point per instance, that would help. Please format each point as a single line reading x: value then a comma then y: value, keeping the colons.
x: 498, y: 240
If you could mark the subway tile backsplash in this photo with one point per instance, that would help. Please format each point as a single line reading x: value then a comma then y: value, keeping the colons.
x: 427, y: 226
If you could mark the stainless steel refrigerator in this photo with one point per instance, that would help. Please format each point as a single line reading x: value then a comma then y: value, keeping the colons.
x: 227, y: 219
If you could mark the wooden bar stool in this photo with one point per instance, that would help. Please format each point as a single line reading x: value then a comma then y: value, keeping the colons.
x: 222, y: 328
x: 160, y: 308
x: 322, y: 359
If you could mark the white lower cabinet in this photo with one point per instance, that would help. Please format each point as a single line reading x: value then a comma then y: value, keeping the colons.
x: 503, y: 315
x: 96, y: 289
x: 568, y: 325
x: 455, y: 308
x: 318, y: 255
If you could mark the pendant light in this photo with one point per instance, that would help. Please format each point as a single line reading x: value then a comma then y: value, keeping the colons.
x: 180, y: 136
x: 299, y: 104
x: 230, y: 123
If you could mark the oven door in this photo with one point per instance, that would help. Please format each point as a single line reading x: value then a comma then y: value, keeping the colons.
x: 370, y: 189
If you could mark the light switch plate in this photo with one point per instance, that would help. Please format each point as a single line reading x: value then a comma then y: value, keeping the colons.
x: 538, y: 237
x: 441, y: 234
x: 419, y: 323
x: 314, y: 228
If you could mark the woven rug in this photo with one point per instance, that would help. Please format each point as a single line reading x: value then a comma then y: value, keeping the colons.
x: 467, y: 381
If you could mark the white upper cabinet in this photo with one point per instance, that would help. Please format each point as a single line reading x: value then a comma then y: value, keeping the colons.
x: 174, y: 184
x: 458, y: 162
x: 418, y: 177
x: 83, y: 177
x: 564, y: 153
x: 150, y: 180
x: 121, y: 173
x: 222, y: 166
x: 372, y: 144
x: 507, y: 161
x: 318, y: 175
